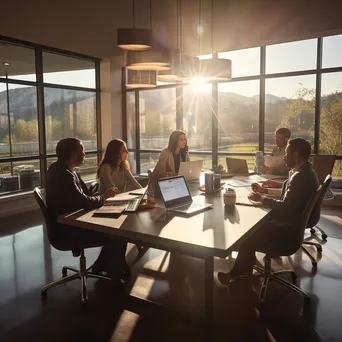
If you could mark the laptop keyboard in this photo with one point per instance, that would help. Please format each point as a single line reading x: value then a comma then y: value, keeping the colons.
x: 130, y: 206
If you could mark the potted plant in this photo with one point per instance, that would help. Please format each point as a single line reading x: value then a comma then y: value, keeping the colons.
x: 218, y: 169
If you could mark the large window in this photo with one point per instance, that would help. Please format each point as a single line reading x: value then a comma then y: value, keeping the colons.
x: 271, y: 87
x: 238, y: 119
x: 55, y: 101
x: 157, y: 117
x: 290, y: 102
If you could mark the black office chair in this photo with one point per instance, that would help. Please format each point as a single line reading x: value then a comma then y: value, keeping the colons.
x: 314, y: 219
x: 297, y: 241
x: 77, y: 251
x: 323, y: 165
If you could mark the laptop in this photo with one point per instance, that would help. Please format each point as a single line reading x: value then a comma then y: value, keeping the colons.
x: 191, y: 170
x: 176, y: 196
x: 238, y: 166
x: 130, y: 205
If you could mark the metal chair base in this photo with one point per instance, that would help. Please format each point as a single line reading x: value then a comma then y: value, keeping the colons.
x: 81, y: 274
x: 269, y: 275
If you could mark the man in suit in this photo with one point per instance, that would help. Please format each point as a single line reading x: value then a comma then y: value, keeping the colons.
x: 66, y: 192
x: 296, y: 192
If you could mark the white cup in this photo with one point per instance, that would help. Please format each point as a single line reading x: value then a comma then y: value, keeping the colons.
x: 229, y: 197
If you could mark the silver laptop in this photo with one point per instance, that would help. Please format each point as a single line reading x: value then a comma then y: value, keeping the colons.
x: 176, y: 196
x: 191, y: 170
x: 130, y: 205
x: 238, y: 166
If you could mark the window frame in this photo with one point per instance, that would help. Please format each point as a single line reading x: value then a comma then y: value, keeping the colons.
x: 42, y: 154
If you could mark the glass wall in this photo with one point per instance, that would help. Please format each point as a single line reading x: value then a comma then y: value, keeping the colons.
x: 272, y: 86
x: 67, y: 108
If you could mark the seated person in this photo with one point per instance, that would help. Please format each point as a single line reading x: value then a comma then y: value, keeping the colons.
x: 281, y: 135
x: 114, y: 171
x: 66, y: 192
x: 297, y: 190
x: 171, y: 157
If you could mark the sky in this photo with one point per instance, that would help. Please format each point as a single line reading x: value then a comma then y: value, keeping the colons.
x: 294, y: 56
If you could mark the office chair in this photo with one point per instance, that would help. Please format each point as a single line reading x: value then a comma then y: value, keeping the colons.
x: 314, y: 219
x: 297, y: 241
x: 77, y: 251
x: 323, y: 165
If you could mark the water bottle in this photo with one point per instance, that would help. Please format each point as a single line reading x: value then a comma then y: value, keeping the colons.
x: 259, y: 161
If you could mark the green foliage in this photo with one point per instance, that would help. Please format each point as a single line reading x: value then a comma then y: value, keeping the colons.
x: 25, y: 131
x: 218, y: 169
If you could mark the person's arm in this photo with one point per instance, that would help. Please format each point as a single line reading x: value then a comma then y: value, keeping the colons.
x: 132, y: 183
x: 105, y: 177
x: 76, y: 196
x: 293, y: 198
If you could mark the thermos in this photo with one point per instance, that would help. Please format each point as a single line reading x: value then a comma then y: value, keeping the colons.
x: 209, y: 181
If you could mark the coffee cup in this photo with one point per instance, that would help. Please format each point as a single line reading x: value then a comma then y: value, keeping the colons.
x: 229, y: 197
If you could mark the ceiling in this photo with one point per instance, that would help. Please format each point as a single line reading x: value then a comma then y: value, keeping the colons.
x: 89, y: 27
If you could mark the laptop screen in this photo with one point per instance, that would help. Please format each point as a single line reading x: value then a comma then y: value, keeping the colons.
x: 174, y: 191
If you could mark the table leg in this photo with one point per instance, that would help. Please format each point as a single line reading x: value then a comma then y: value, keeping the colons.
x: 209, y: 293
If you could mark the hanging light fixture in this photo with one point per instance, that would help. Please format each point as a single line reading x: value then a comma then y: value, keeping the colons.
x: 141, y: 78
x: 215, y: 69
x: 134, y: 39
x: 182, y: 67
x: 155, y: 59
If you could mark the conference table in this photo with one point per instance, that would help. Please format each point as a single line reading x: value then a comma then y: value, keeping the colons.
x: 215, y: 232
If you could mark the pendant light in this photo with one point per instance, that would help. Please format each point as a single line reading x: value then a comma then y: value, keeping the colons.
x: 215, y: 69
x: 155, y: 59
x: 134, y: 39
x: 141, y: 78
x: 182, y: 67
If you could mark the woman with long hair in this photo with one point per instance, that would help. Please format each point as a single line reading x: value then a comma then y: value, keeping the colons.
x: 171, y: 157
x: 114, y: 170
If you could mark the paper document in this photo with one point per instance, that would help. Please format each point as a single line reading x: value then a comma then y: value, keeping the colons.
x: 274, y: 161
x: 140, y: 191
x: 125, y: 196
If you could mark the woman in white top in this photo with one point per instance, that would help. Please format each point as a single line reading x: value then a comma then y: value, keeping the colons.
x: 171, y: 157
x: 114, y: 170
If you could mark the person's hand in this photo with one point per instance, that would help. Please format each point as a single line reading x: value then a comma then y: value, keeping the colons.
x: 256, y: 187
x: 256, y: 197
x: 271, y: 184
x: 110, y: 192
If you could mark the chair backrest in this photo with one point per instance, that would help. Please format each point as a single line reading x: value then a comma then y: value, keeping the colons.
x: 323, y: 165
x: 316, y: 211
x: 303, y: 222
x: 42, y: 204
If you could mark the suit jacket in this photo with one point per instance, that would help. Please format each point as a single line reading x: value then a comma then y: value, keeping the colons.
x: 165, y: 164
x: 66, y: 191
x: 296, y: 192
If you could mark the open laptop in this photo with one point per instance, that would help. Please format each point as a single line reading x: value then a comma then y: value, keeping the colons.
x: 191, y: 170
x: 130, y: 205
x: 238, y: 166
x: 176, y: 196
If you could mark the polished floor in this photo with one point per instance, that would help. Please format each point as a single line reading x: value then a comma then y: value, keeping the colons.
x: 27, y: 261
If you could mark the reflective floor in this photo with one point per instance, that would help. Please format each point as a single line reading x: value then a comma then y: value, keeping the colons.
x: 27, y: 261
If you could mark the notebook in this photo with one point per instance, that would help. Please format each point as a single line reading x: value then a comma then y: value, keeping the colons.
x: 237, y: 166
x: 176, y: 196
x: 191, y: 170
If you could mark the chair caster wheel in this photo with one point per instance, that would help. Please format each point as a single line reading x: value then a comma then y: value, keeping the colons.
x: 64, y: 272
x: 312, y: 231
x: 43, y: 294
x: 324, y: 237
x: 319, y: 250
